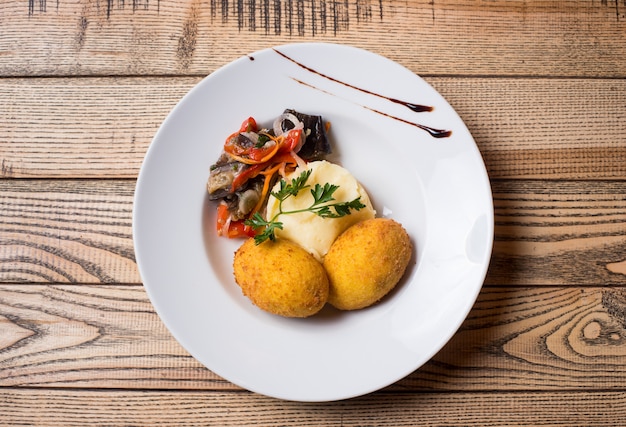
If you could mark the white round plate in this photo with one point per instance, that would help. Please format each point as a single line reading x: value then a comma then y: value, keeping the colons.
x: 436, y: 187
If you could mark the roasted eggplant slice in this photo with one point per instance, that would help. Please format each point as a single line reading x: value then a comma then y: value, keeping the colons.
x: 241, y: 202
x: 221, y: 177
x: 316, y: 146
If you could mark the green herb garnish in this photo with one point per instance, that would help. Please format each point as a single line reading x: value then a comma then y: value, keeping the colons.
x: 321, y: 206
x: 263, y: 138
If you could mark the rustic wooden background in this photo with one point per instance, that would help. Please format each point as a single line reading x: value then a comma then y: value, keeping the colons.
x: 84, y: 85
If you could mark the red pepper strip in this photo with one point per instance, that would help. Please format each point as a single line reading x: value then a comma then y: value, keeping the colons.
x: 266, y: 149
x: 258, y: 155
x: 253, y: 155
x: 284, y: 158
x: 239, y: 229
x: 231, y: 146
x: 248, y: 125
x: 291, y: 140
x: 222, y: 218
x: 247, y: 174
x: 234, y: 228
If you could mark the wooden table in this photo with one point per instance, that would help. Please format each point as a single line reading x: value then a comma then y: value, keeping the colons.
x: 85, y: 84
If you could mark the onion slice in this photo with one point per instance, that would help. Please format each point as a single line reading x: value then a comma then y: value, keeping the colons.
x: 278, y: 128
x: 252, y: 136
x: 299, y: 160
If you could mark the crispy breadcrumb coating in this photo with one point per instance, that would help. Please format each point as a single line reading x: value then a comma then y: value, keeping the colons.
x: 366, y: 262
x: 281, y: 278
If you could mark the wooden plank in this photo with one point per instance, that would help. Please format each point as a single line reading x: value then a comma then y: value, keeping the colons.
x: 101, y: 127
x: 559, y: 232
x: 69, y: 408
x: 546, y: 232
x: 67, y: 231
x: 573, y: 38
x: 518, y: 338
x: 534, y: 338
x: 545, y: 129
x: 82, y: 127
x: 91, y: 336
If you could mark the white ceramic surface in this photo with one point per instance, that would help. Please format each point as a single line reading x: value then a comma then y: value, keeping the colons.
x: 436, y: 187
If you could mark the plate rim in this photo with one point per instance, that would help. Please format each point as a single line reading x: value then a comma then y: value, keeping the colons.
x: 224, y: 69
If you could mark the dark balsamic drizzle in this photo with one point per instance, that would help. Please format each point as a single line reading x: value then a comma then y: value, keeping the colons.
x: 435, y: 133
x: 417, y: 108
x: 414, y: 107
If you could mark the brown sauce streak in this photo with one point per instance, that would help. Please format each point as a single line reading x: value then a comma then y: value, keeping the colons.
x: 435, y: 133
x: 417, y: 108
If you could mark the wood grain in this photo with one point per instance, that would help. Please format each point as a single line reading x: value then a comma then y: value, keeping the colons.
x: 544, y: 128
x: 91, y: 336
x: 82, y: 127
x: 556, y: 232
x: 575, y: 38
x: 525, y: 128
x: 546, y: 232
x: 84, y: 86
x: 518, y: 338
x: 67, y: 231
x: 69, y: 408
x: 534, y: 338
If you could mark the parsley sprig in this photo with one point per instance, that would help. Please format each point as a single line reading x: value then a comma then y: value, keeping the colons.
x: 322, y: 205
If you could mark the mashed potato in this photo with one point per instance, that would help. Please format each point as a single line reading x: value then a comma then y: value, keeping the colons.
x: 316, y: 234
